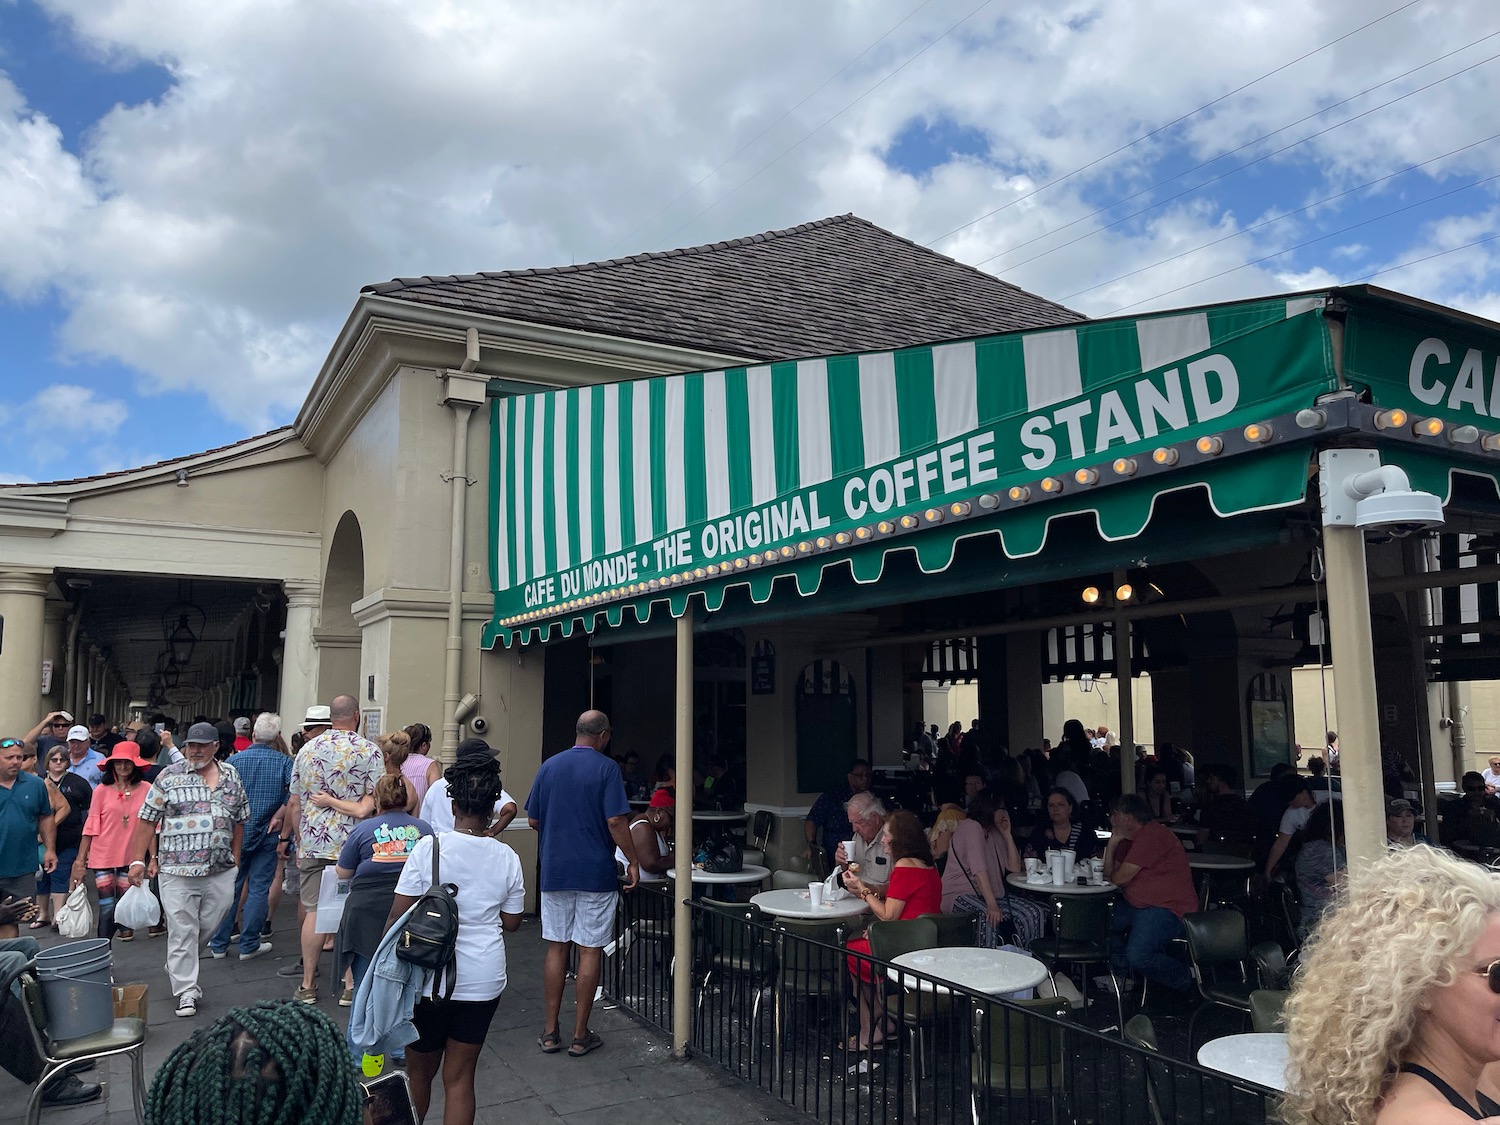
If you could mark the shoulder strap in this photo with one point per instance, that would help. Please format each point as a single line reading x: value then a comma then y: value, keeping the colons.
x: 1455, y: 1099
x: 435, y: 879
x: 953, y: 855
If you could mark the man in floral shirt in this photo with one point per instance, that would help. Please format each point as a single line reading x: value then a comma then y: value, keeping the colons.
x: 201, y: 807
x: 333, y: 788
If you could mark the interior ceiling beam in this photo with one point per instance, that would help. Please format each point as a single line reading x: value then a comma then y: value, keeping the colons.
x: 1304, y: 592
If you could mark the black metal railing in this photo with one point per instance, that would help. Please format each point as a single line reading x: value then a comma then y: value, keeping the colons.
x: 778, y: 1004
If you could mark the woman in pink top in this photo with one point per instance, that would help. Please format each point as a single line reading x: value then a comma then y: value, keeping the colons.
x: 399, y: 759
x: 105, y: 847
x: 980, y: 855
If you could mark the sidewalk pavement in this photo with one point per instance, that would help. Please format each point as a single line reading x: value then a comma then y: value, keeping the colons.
x: 632, y: 1079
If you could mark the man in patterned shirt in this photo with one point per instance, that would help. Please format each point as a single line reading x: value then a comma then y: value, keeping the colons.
x: 201, y: 806
x: 333, y: 788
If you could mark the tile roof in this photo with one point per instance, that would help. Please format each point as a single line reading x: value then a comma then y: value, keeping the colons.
x: 839, y: 284
x: 151, y: 465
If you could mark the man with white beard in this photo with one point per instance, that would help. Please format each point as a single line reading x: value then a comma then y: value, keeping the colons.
x: 201, y: 806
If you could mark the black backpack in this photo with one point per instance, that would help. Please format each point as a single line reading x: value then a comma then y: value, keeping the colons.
x: 430, y: 935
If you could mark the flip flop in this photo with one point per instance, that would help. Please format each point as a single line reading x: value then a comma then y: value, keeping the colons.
x: 581, y: 1047
x: 38, y: 924
x: 550, y: 1042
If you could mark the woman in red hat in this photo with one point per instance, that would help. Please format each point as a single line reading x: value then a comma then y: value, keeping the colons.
x: 106, y: 835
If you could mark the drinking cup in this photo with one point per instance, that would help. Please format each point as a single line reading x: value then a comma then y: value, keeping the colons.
x: 1070, y: 857
x: 815, y: 894
x: 1056, y: 862
x: 1033, y: 865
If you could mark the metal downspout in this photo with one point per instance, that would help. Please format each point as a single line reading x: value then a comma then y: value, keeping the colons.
x: 458, y: 482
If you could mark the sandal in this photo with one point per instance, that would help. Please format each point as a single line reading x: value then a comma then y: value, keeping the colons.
x: 581, y: 1047
x: 38, y: 924
x: 550, y: 1042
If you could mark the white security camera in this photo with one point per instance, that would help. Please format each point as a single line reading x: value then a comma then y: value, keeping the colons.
x: 1358, y: 491
x: 479, y: 724
x: 466, y: 707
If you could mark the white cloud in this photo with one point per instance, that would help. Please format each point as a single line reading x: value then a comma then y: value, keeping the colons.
x: 65, y: 421
x: 214, y: 240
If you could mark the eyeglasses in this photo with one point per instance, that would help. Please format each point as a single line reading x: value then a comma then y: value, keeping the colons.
x: 7, y: 743
x: 60, y: 723
x: 1492, y: 971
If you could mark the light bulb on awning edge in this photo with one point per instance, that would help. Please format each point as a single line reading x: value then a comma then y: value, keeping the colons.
x: 1164, y: 456
x: 1210, y: 445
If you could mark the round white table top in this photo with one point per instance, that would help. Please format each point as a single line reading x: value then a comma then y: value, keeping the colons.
x: 1203, y: 861
x: 1259, y: 1058
x: 1189, y: 831
x: 752, y: 873
x: 791, y: 903
x: 1020, y: 882
x: 993, y: 971
x: 713, y: 815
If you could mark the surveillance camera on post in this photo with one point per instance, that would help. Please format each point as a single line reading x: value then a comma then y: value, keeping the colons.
x: 479, y: 724
x: 1358, y: 491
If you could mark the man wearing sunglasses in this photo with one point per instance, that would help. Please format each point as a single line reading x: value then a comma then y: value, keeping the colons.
x: 51, y: 731
x: 25, y: 814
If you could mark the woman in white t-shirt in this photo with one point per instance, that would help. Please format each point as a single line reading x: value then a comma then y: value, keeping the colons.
x: 491, y: 897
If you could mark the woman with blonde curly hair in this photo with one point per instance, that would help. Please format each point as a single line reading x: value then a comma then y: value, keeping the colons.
x: 1396, y: 1009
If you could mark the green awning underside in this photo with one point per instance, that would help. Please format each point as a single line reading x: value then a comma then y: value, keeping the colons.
x: 613, y: 502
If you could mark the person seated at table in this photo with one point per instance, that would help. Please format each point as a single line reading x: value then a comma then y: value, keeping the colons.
x: 827, y: 822
x: 652, y: 832
x: 870, y: 861
x: 1320, y: 866
x: 981, y: 854
x: 1062, y: 830
x: 1226, y: 824
x: 720, y: 788
x: 1391, y: 1018
x: 1322, y: 786
x: 1298, y: 811
x: 664, y: 776
x: 1472, y: 819
x: 637, y: 784
x: 915, y: 889
x: 1401, y: 825
x: 973, y: 785
x: 1158, y: 795
x: 1148, y: 863
x: 941, y: 832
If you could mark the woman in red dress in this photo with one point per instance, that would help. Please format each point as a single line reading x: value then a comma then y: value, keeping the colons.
x: 915, y: 889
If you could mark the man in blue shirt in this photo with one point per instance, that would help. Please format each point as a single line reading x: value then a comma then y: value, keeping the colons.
x: 25, y: 814
x: 83, y: 759
x: 578, y: 809
x: 266, y: 774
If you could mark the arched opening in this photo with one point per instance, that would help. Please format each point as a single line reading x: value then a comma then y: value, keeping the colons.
x: 344, y: 579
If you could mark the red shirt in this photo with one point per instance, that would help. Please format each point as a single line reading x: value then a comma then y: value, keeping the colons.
x: 921, y: 888
x: 1164, y: 878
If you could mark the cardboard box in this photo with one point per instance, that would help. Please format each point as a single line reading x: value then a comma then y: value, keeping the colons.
x: 130, y: 1000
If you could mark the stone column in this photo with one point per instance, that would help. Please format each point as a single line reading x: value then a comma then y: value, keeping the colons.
x: 55, y: 649
x: 299, y: 657
x: 23, y: 602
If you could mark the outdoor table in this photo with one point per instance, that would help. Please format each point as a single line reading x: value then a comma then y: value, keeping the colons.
x: 716, y: 816
x: 751, y: 873
x: 792, y: 903
x: 993, y: 971
x: 1187, y: 833
x: 1258, y: 1058
x: 1050, y: 888
x: 1212, y: 864
x: 639, y: 804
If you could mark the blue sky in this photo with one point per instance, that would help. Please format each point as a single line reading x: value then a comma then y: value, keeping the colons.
x: 191, y: 194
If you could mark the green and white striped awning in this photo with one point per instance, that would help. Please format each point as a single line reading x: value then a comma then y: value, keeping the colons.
x: 633, y: 493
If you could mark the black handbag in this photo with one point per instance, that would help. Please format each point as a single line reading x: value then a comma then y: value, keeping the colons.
x: 722, y: 856
x: 429, y: 937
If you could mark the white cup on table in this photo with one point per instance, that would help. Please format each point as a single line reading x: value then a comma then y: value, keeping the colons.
x: 1070, y: 858
x: 1057, y: 864
x: 1033, y: 865
x: 815, y: 894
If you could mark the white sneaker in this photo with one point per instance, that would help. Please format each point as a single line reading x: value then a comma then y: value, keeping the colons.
x: 1064, y: 989
x: 263, y: 948
x: 187, y: 1004
x: 217, y: 954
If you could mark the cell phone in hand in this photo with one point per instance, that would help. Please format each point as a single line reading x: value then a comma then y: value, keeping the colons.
x: 388, y: 1101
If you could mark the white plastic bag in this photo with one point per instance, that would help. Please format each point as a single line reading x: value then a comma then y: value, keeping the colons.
x: 76, y: 917
x: 137, y: 909
x: 332, y: 894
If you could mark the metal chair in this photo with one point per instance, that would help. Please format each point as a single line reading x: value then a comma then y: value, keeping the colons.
x: 953, y: 929
x: 1271, y: 968
x: 795, y: 863
x: 123, y: 1037
x: 1080, y: 936
x: 735, y: 946
x: 1139, y: 1032
x: 1017, y: 1055
x: 1216, y: 940
x: 760, y: 835
x: 789, y: 880
x: 913, y: 1009
x: 809, y: 967
x: 1265, y: 1008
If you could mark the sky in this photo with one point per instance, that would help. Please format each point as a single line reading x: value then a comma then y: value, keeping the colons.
x: 192, y: 193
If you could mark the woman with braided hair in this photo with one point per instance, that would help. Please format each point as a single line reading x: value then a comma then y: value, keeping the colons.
x: 277, y: 1062
x: 491, y: 896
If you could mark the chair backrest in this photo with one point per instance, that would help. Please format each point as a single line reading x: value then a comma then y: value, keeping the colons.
x: 953, y: 929
x: 730, y: 930
x: 1265, y: 1008
x: 1140, y: 1032
x: 36, y: 1011
x: 761, y: 823
x: 888, y: 940
x: 789, y: 880
x: 1270, y: 965
x: 796, y: 863
x: 1216, y: 937
x: 807, y: 968
x: 1083, y: 918
x: 1026, y: 1055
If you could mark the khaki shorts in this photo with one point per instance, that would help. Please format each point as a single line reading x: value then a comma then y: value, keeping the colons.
x: 312, y: 878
